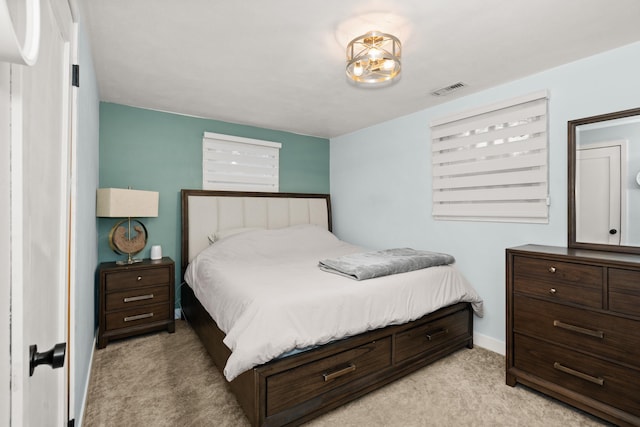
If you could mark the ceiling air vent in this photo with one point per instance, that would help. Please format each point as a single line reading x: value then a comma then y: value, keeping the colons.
x: 448, y: 89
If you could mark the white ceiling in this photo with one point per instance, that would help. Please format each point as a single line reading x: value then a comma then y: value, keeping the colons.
x: 279, y: 64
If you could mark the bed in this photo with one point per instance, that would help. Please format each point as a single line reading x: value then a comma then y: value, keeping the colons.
x: 285, y: 377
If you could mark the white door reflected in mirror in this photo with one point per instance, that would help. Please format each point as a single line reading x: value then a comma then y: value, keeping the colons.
x: 598, y: 196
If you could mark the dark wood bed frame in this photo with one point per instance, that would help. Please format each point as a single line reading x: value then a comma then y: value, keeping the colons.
x: 298, y: 388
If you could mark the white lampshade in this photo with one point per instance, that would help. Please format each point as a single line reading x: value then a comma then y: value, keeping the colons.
x: 126, y: 203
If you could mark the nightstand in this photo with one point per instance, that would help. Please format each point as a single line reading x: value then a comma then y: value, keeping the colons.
x: 135, y: 299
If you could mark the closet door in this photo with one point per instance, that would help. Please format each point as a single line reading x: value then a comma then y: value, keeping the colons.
x: 40, y: 218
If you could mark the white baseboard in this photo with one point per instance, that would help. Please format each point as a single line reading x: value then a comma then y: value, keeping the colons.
x: 83, y: 406
x: 489, y: 343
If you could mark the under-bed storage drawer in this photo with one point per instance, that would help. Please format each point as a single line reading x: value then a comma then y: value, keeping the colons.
x: 607, y: 382
x: 416, y: 341
x: 297, y: 385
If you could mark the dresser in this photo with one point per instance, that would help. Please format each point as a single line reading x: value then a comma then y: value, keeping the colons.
x: 573, y: 328
x: 135, y: 299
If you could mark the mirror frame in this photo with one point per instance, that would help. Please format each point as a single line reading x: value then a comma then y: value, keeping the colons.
x: 571, y: 143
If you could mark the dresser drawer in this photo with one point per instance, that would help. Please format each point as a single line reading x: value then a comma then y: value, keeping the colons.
x: 137, y: 278
x: 601, y: 380
x: 561, y: 281
x: 424, y: 337
x: 309, y: 381
x: 137, y: 316
x: 624, y: 291
x: 608, y: 336
x: 137, y: 297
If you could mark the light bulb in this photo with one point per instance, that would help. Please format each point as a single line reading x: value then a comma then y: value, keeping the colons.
x: 388, y: 64
x: 357, y: 69
x: 374, y: 53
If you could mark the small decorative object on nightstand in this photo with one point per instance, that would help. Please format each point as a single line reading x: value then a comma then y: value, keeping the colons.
x: 135, y: 299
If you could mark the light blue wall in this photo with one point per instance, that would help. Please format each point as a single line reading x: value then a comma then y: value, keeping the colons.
x: 381, y: 176
x: 156, y: 151
x: 86, y: 239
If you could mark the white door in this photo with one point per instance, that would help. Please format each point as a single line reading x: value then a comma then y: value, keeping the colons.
x: 39, y: 203
x: 598, y: 195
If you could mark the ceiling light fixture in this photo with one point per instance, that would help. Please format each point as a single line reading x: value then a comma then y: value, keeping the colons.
x: 373, y: 59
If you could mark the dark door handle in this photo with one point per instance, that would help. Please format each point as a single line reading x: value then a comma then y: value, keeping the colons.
x: 53, y: 357
x: 613, y: 231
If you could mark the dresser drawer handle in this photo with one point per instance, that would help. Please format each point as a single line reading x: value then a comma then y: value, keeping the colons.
x: 578, y: 329
x: 139, y: 278
x: 436, y: 334
x: 552, y: 291
x: 581, y: 375
x: 552, y: 269
x: 138, y: 317
x: 328, y: 376
x: 138, y: 298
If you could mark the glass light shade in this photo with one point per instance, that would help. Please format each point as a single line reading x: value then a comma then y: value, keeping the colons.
x: 374, y: 58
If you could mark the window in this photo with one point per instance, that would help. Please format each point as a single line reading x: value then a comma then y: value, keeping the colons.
x: 490, y: 164
x: 239, y: 164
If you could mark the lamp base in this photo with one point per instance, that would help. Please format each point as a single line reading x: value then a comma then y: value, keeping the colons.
x: 128, y: 261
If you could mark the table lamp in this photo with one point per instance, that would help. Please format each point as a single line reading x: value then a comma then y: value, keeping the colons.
x: 129, y: 204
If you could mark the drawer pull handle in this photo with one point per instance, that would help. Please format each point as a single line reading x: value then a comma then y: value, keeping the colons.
x: 578, y: 329
x: 138, y: 298
x: 138, y: 317
x: 581, y: 375
x: 552, y: 291
x: 328, y: 376
x: 552, y: 269
x: 432, y: 335
x: 139, y: 278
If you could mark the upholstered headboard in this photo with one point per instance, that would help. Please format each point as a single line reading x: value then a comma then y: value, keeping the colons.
x: 205, y: 212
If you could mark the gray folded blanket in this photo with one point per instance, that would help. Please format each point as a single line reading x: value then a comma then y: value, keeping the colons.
x: 367, y: 265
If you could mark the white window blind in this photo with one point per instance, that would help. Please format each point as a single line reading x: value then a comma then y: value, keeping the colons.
x: 239, y: 164
x: 490, y: 164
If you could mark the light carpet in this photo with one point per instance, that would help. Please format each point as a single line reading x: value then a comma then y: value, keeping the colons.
x: 169, y: 380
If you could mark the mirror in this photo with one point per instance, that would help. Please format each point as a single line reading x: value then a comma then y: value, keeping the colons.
x: 604, y: 182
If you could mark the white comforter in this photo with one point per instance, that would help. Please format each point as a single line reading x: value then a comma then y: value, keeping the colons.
x: 266, y: 293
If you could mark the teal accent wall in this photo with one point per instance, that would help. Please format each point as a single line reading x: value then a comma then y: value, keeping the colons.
x: 157, y: 151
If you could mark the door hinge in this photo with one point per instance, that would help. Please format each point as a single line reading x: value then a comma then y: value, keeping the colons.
x: 75, y: 75
x: 71, y: 423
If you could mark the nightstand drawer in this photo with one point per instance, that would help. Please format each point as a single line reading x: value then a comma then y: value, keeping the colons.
x: 416, y: 341
x: 597, y: 333
x: 137, y: 316
x: 562, y: 281
x: 607, y: 382
x: 136, y: 278
x: 624, y: 291
x: 137, y: 297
